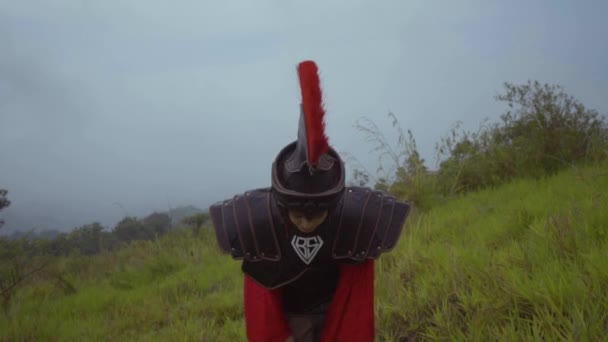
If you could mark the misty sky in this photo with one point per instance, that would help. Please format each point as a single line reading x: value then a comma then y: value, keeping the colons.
x: 114, y: 108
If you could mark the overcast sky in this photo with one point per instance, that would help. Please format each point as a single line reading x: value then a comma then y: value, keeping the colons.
x: 109, y: 107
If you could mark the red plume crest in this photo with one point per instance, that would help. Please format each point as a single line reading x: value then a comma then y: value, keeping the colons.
x: 314, y: 113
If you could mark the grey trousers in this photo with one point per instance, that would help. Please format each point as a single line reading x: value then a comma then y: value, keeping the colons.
x: 305, y: 328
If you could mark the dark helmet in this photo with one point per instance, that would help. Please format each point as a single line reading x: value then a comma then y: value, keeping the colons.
x: 308, y: 174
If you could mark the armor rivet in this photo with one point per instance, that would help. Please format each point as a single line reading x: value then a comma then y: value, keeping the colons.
x: 349, y: 252
x: 232, y: 249
x: 350, y: 190
x: 379, y: 247
x: 262, y: 254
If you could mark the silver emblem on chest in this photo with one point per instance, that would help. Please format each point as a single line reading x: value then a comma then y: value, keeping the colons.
x: 306, y: 247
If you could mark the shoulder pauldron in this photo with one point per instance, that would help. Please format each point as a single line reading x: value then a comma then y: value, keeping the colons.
x: 244, y: 226
x: 370, y: 223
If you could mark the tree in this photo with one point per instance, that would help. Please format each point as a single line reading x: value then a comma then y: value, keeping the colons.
x: 159, y: 223
x: 130, y: 228
x: 4, y: 202
x: 18, y: 261
x: 196, y: 221
x: 87, y: 238
x: 543, y: 131
x: 552, y: 127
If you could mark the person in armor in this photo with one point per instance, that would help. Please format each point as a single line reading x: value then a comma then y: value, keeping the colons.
x: 308, y: 242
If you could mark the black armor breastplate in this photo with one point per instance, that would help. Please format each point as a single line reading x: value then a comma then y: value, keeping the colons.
x: 364, y: 224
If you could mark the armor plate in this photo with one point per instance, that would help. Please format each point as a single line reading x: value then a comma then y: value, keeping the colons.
x: 363, y: 225
x: 244, y: 226
x: 370, y: 224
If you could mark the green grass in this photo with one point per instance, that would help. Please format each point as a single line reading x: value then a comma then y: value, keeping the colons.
x: 176, y: 289
x: 525, y: 261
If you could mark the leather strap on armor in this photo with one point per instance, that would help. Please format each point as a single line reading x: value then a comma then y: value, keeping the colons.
x: 370, y: 224
x: 244, y: 226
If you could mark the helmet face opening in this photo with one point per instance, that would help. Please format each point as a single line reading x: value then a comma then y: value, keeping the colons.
x: 307, y: 223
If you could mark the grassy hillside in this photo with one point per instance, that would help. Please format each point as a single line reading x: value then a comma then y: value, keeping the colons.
x: 176, y: 289
x: 525, y: 261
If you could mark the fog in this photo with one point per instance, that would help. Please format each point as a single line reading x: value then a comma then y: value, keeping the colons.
x: 110, y: 109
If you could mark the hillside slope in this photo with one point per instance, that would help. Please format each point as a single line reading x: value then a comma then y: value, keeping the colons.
x: 520, y: 262
x: 524, y: 261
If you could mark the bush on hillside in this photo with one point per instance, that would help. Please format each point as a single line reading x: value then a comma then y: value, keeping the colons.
x: 401, y: 170
x: 543, y: 131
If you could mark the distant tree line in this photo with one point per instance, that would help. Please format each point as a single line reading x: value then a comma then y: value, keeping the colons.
x: 24, y: 255
x: 93, y: 238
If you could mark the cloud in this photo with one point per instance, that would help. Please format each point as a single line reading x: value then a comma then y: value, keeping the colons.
x: 140, y: 102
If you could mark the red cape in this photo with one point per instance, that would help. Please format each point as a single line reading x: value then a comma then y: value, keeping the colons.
x: 350, y: 316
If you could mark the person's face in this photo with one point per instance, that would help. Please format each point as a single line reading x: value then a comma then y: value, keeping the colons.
x: 307, y: 223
